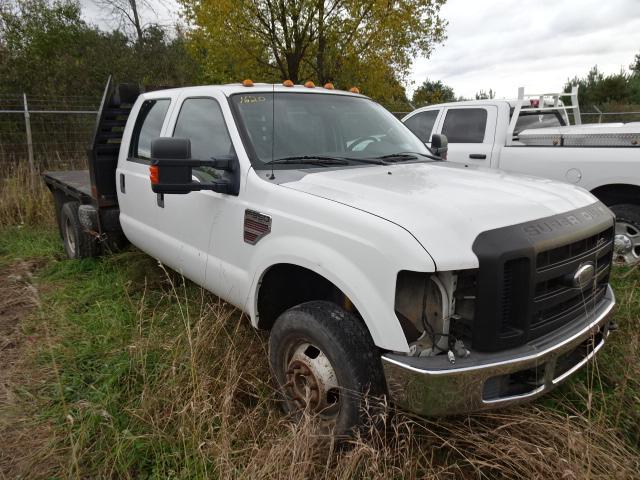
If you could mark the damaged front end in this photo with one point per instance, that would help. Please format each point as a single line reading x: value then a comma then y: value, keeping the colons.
x: 535, y: 310
x: 436, y: 312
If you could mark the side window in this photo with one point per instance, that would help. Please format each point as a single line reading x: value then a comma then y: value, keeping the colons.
x: 201, y: 121
x: 421, y: 124
x: 465, y: 125
x: 148, y: 127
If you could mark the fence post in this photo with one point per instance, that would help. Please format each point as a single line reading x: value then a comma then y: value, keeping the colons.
x: 599, y: 114
x: 27, y: 124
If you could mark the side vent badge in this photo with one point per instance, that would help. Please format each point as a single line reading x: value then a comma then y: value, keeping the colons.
x: 256, y: 226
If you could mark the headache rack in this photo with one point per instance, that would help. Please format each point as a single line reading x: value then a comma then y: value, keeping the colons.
x: 567, y: 135
x: 542, y: 99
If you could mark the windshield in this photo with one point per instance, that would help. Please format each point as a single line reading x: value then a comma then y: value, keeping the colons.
x: 319, y: 125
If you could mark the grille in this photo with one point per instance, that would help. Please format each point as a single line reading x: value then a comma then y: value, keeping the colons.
x: 526, y: 286
x: 513, y: 298
x: 555, y: 300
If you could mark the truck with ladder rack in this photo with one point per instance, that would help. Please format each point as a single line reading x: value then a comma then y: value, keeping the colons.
x: 533, y: 135
x: 377, y: 268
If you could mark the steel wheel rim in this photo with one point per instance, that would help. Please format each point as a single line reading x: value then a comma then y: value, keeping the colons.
x: 311, y: 383
x: 68, y: 232
x: 627, y: 243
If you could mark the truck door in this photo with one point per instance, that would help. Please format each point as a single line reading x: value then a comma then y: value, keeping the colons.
x: 471, y: 133
x: 138, y: 204
x: 189, y: 219
x: 422, y: 123
x: 175, y: 229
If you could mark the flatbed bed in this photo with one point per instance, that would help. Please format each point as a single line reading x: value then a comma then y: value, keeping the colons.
x: 74, y: 183
x: 86, y: 201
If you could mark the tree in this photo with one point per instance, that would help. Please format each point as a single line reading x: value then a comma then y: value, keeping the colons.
x: 635, y: 66
x: 47, y: 49
x: 128, y: 15
x: 597, y: 89
x: 312, y: 39
x: 482, y: 95
x: 431, y: 92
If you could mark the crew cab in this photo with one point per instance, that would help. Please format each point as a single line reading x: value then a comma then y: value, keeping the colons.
x: 532, y: 135
x: 376, y: 267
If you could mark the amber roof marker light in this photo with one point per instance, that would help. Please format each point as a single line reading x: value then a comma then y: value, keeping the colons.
x: 247, y: 82
x: 354, y: 90
x: 309, y: 84
x: 287, y: 83
x: 329, y: 86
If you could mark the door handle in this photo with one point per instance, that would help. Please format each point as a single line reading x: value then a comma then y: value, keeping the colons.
x: 478, y: 156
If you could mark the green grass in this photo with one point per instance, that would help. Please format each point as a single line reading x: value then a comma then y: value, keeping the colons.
x: 148, y: 376
x: 29, y: 243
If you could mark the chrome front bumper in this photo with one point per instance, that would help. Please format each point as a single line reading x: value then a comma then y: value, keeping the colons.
x: 433, y: 386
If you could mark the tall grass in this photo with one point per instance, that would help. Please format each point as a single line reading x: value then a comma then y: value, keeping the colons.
x: 24, y: 197
x: 136, y: 373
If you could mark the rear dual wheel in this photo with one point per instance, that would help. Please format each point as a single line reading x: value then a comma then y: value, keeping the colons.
x: 78, y: 243
x: 325, y: 363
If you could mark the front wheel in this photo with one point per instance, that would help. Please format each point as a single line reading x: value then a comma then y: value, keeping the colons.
x: 627, y: 239
x: 325, y: 362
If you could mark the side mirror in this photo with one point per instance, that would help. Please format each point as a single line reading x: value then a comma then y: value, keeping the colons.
x: 172, y: 165
x: 439, y: 145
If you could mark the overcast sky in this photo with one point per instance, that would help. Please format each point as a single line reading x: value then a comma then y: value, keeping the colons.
x: 538, y: 44
x: 504, y: 44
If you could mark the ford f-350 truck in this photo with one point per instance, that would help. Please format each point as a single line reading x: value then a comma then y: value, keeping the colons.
x: 376, y: 267
x: 532, y: 135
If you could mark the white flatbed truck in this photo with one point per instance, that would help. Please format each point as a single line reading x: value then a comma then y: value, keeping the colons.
x: 376, y: 267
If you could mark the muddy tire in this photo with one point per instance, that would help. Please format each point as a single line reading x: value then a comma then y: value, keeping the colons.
x: 77, y: 242
x: 627, y: 239
x: 325, y: 362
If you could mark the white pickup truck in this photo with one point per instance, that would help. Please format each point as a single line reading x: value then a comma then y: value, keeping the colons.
x: 376, y: 267
x: 532, y: 135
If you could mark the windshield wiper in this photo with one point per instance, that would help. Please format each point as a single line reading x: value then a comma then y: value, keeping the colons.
x: 404, y: 156
x: 323, y: 160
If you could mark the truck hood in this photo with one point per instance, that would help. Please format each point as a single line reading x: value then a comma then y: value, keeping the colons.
x: 445, y: 206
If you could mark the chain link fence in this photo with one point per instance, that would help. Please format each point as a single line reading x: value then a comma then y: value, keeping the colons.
x: 45, y: 132
x: 54, y: 132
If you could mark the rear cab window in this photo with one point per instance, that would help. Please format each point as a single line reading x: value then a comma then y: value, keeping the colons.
x: 532, y: 120
x: 148, y: 126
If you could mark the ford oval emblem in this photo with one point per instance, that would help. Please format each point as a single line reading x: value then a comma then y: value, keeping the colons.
x: 584, y: 275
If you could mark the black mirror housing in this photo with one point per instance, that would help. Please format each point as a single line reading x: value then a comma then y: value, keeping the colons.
x: 439, y: 145
x: 172, y: 165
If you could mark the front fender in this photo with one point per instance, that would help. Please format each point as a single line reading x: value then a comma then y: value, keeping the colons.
x: 371, y: 289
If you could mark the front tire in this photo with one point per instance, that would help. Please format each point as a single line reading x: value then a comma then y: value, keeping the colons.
x: 627, y: 239
x: 325, y: 362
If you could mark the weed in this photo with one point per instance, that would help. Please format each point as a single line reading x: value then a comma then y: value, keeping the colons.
x: 149, y: 376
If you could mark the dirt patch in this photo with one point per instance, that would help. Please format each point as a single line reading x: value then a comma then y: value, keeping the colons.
x: 18, y: 297
x: 23, y: 440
